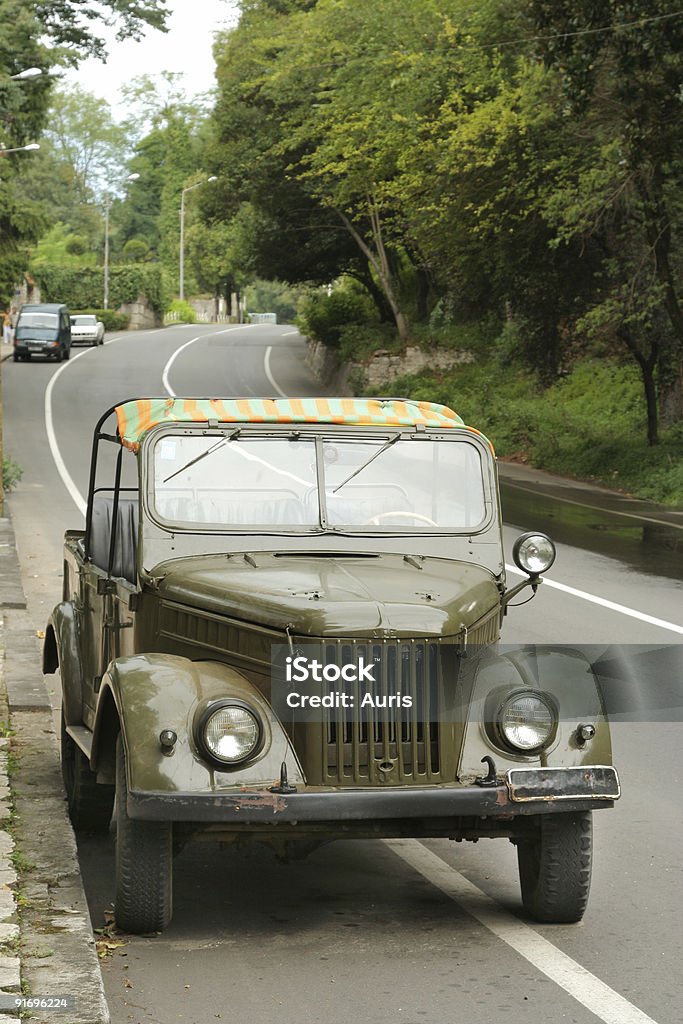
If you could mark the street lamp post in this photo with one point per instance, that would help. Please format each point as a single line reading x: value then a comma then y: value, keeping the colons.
x: 20, y: 149
x: 26, y: 73
x: 189, y: 188
x: 107, y: 207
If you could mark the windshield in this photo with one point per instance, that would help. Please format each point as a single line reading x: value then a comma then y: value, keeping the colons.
x: 232, y: 481
x: 419, y: 483
x: 37, y: 325
x: 216, y: 480
x: 83, y: 321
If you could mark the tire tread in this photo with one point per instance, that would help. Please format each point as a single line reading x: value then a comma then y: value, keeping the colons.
x: 144, y: 865
x: 555, y: 868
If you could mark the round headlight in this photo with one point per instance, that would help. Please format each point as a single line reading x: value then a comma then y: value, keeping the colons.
x: 527, y: 721
x: 533, y: 553
x: 230, y: 733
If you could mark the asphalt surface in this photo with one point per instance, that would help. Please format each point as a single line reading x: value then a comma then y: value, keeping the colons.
x: 416, y: 932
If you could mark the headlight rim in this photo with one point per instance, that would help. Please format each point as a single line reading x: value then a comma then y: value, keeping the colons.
x: 500, y: 734
x: 200, y: 733
x: 522, y: 539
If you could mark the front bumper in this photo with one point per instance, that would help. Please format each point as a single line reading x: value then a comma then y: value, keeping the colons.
x: 36, y: 348
x: 521, y: 792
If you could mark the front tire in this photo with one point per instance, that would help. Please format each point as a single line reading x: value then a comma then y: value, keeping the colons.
x: 144, y: 864
x: 90, y: 804
x: 555, y: 867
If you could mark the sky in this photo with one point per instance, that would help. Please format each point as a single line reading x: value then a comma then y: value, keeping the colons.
x: 185, y: 48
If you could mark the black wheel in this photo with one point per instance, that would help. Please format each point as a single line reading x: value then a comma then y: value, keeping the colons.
x: 15, y: 357
x: 67, y: 351
x: 58, y: 355
x: 90, y: 804
x: 555, y: 867
x: 144, y: 859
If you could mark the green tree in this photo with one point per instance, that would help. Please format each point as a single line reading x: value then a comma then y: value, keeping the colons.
x: 620, y: 65
x: 84, y: 136
x: 220, y: 255
x: 76, y: 37
x: 165, y: 157
x: 292, y: 236
x: 45, y: 34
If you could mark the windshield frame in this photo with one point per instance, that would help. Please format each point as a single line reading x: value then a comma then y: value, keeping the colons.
x: 319, y: 433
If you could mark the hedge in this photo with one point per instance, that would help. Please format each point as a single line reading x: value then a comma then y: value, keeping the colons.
x: 82, y: 288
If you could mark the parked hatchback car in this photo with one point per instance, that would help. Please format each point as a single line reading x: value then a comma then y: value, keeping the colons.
x: 42, y: 330
x: 87, y: 328
x: 282, y: 622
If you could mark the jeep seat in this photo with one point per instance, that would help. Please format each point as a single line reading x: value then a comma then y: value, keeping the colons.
x: 126, y: 548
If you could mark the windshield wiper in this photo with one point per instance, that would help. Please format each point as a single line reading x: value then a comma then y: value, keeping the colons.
x: 387, y: 444
x: 198, y: 458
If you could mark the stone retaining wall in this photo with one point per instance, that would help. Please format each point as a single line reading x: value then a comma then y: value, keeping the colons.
x: 141, y: 315
x: 378, y: 372
x: 327, y: 369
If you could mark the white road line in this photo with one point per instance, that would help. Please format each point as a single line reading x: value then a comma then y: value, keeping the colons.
x: 287, y: 334
x: 613, y: 606
x: 271, y: 380
x: 67, y: 479
x: 210, y: 334
x: 601, y: 1000
x: 164, y: 376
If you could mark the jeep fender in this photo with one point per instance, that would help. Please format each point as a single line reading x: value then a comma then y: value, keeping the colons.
x: 148, y: 693
x: 561, y: 672
x: 61, y: 651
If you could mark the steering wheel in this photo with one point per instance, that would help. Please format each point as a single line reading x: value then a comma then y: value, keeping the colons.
x: 375, y: 520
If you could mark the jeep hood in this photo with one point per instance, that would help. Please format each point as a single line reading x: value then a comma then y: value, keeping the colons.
x: 317, y: 596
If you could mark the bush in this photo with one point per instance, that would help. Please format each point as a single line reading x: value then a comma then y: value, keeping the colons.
x: 76, y: 246
x: 324, y: 317
x: 11, y: 474
x: 359, y: 341
x: 180, y: 312
x: 136, y: 250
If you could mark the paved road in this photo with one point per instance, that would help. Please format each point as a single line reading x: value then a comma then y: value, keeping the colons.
x: 421, y: 933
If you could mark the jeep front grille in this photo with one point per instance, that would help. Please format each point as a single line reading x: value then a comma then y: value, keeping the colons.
x: 387, y: 743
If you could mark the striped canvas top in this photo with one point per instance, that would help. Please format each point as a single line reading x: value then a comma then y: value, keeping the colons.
x: 136, y: 417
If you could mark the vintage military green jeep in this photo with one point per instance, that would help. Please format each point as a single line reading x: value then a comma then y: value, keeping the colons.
x: 284, y: 626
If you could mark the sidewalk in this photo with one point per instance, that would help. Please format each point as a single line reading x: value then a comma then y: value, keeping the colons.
x: 47, y: 949
x: 588, y: 495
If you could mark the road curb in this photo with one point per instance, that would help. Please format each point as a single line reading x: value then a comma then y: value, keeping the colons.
x: 47, y: 947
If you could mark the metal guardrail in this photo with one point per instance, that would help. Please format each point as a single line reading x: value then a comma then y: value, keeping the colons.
x: 200, y: 318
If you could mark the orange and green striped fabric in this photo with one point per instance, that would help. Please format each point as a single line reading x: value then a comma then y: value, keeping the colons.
x: 135, y: 418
